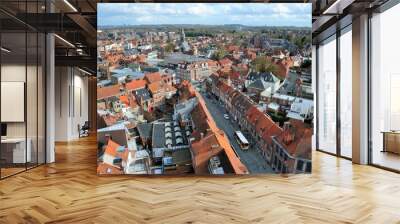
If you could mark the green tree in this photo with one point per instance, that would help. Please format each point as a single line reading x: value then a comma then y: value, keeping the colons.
x: 262, y: 64
x: 219, y: 54
x: 169, y: 47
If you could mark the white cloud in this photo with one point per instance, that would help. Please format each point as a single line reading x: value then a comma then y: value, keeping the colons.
x: 207, y: 13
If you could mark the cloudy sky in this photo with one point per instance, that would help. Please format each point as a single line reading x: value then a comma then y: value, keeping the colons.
x: 254, y: 14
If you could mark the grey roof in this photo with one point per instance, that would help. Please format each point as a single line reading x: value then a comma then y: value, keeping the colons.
x: 181, y: 156
x: 121, y: 72
x: 259, y: 84
x: 164, y: 135
x: 136, y: 75
x: 145, y: 130
x: 142, y: 94
x: 158, y: 137
x: 266, y: 76
x: 176, y: 58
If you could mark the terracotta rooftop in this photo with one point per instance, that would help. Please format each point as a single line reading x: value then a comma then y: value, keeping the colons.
x: 212, y: 63
x: 136, y: 84
x: 152, y: 77
x: 223, y: 141
x: 155, y: 87
x: 111, y: 148
x: 225, y: 62
x: 301, y: 145
x: 124, y: 99
x: 108, y: 91
x: 104, y: 168
x: 202, y: 151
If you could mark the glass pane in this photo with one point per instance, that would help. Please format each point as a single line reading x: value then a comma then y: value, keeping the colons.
x: 346, y: 94
x: 13, y: 77
x: 327, y: 96
x: 31, y: 97
x: 41, y: 99
x: 385, y: 84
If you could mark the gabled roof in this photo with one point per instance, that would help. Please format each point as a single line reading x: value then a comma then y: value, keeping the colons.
x: 265, y: 76
x: 155, y: 87
x: 142, y: 94
x: 258, y: 84
x: 107, y: 92
x: 223, y: 141
x: 202, y: 151
x: 152, y: 77
x: 111, y: 148
x: 225, y: 62
x: 104, y: 168
x: 145, y: 130
x: 136, y: 84
x: 124, y: 99
x: 212, y: 63
x: 301, y: 145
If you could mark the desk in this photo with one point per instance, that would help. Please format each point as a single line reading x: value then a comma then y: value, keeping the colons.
x: 391, y: 141
x: 13, y: 150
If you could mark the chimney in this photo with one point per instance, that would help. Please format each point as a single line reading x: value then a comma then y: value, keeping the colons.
x: 288, y: 133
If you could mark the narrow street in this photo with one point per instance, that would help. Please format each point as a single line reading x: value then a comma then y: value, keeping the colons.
x: 250, y: 158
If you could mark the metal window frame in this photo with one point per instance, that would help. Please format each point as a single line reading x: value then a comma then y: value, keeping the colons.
x: 44, y: 75
x: 339, y: 31
x: 381, y: 9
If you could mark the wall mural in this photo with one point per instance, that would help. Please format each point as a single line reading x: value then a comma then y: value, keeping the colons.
x: 205, y: 89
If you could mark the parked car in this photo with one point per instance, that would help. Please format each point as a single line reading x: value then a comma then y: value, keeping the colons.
x: 226, y: 116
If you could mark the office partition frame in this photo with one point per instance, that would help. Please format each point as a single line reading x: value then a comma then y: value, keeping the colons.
x: 42, y: 118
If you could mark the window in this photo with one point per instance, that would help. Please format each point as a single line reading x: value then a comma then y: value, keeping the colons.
x: 346, y: 92
x: 308, y: 167
x: 385, y: 88
x: 327, y: 95
x: 300, y: 164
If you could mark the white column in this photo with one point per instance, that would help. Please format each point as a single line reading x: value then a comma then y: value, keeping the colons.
x: 360, y: 90
x: 50, y: 101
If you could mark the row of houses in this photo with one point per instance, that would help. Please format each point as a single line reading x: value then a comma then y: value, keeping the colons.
x: 286, y: 149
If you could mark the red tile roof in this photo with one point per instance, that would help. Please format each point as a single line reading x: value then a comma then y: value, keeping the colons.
x: 104, y: 168
x: 222, y: 139
x: 301, y: 144
x: 225, y: 62
x: 202, y: 151
x: 153, y: 77
x: 108, y: 91
x: 155, y: 87
x: 124, y: 100
x: 136, y: 84
x: 212, y: 63
x: 111, y: 148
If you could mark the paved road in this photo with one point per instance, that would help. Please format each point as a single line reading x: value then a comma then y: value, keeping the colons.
x: 250, y: 158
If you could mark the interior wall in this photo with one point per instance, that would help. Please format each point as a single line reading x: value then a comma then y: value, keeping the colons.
x: 15, y: 73
x: 71, y: 102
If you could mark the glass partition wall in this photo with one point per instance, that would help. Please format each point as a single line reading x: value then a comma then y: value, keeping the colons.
x: 385, y: 89
x: 22, y: 77
x: 334, y: 94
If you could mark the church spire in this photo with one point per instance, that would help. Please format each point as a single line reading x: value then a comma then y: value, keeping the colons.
x: 183, y: 36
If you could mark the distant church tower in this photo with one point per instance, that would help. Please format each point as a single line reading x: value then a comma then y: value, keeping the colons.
x: 183, y: 36
x: 184, y: 46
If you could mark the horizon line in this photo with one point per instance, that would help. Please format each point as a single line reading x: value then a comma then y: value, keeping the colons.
x: 168, y: 24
